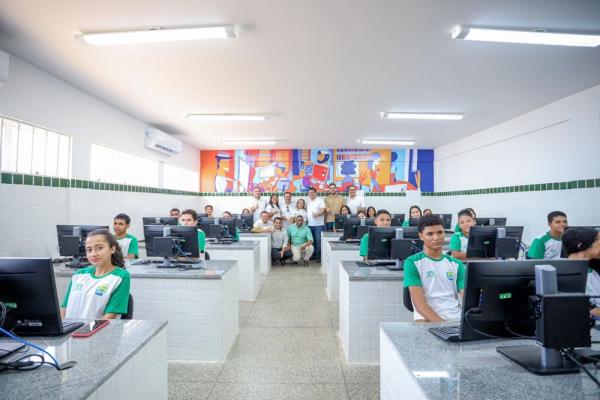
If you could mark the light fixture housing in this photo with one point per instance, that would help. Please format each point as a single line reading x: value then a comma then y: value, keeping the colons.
x: 227, y: 117
x: 387, y: 142
x: 525, y: 36
x: 157, y: 34
x: 249, y: 142
x: 422, y: 115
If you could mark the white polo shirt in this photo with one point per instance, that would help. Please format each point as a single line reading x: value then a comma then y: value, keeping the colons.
x: 315, y: 206
x: 355, y: 203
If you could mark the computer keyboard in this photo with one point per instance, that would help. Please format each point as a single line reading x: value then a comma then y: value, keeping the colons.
x: 447, y: 333
x: 69, y: 327
x: 381, y: 263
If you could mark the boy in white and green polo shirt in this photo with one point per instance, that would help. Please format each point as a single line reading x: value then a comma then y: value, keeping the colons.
x: 435, y: 280
x: 459, y: 240
x: 548, y: 246
x: 127, y: 242
x: 383, y: 218
x: 91, y: 297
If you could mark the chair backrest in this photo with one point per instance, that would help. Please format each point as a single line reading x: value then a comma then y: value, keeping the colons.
x: 129, y: 314
x: 206, y: 256
x: 407, y: 300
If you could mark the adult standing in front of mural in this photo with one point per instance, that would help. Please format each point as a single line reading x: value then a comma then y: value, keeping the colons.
x: 334, y: 203
x: 287, y: 209
x: 273, y: 207
x: 354, y: 202
x: 257, y: 204
x: 315, y: 208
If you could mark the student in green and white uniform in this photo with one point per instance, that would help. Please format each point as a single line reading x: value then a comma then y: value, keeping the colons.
x: 100, y: 291
x: 413, y: 212
x: 190, y: 218
x: 236, y: 237
x: 584, y: 244
x: 473, y: 214
x: 459, y: 241
x: 383, y: 218
x: 435, y: 280
x: 127, y: 242
x: 548, y: 246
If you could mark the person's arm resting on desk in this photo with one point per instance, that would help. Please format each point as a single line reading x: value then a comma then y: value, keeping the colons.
x: 412, y: 280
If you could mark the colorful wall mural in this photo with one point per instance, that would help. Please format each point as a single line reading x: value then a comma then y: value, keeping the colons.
x: 372, y: 170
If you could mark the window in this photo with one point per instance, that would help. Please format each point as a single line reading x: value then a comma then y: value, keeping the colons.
x: 115, y: 166
x: 180, y: 178
x: 33, y: 150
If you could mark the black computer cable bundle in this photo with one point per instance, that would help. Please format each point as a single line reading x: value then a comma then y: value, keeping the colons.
x: 570, y: 354
x: 28, y: 362
x: 182, y: 253
x: 516, y: 335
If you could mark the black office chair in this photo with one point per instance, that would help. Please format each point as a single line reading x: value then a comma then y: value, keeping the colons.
x: 407, y: 300
x: 206, y: 256
x: 129, y: 314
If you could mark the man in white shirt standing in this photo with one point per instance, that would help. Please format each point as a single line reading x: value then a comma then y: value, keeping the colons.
x: 354, y: 202
x: 257, y: 204
x: 315, y: 208
x: 287, y: 209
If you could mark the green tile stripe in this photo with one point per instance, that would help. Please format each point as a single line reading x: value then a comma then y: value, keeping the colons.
x: 36, y: 180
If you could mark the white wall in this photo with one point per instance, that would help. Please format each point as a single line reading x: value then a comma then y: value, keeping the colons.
x: 34, y: 96
x: 555, y: 143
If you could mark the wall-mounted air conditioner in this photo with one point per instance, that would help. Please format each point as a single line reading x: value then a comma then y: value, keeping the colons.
x: 163, y: 142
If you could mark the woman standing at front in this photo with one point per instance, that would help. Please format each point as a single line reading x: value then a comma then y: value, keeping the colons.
x: 100, y: 291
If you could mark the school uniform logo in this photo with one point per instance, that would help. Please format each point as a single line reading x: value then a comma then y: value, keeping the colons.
x: 101, y: 289
x: 429, y: 274
x: 450, y: 275
x: 78, y: 286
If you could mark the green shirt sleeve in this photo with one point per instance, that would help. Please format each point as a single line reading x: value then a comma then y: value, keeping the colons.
x: 364, y: 246
x: 237, y: 234
x: 405, y: 223
x: 455, y: 244
x: 201, y: 240
x: 460, y: 280
x: 119, y: 299
x: 309, y: 235
x: 411, y: 274
x: 537, y: 249
x: 66, y: 299
x: 133, y: 247
x: 457, y: 228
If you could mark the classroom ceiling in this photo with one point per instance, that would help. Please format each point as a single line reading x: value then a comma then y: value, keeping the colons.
x: 323, y: 69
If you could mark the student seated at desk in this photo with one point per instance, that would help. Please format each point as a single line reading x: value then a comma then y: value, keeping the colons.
x: 457, y: 227
x: 413, y: 212
x: 280, y: 247
x: 190, y: 218
x: 383, y: 218
x: 227, y: 214
x: 427, y: 211
x: 174, y: 213
x: 208, y: 210
x: 127, y: 242
x: 435, y: 280
x: 264, y: 224
x: 548, y: 246
x: 459, y: 240
x: 371, y: 212
x: 584, y: 244
x: 301, y: 240
x: 100, y: 291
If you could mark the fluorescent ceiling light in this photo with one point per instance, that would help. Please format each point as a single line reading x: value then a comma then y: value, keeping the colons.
x: 227, y: 117
x: 256, y: 142
x: 415, y: 115
x: 387, y: 142
x: 159, y: 35
x: 532, y: 36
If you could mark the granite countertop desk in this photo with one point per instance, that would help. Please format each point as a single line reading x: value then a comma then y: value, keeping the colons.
x: 98, y: 358
x: 332, y: 234
x: 475, y: 370
x: 215, y: 269
x: 250, y: 233
x: 337, y: 245
x: 240, y: 245
x: 356, y: 272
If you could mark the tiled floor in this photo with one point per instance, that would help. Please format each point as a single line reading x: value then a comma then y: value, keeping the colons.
x: 287, y: 349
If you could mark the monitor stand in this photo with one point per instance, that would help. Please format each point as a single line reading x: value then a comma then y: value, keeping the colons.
x: 77, y: 262
x: 530, y: 358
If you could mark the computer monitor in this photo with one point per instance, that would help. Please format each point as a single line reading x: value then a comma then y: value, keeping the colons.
x: 28, y: 290
x: 247, y: 222
x: 447, y: 219
x: 207, y: 220
x: 71, y: 242
x: 339, y: 221
x: 351, y: 227
x: 413, y: 221
x: 410, y: 232
x: 380, y: 242
x: 159, y: 220
x: 493, y: 221
x: 397, y: 219
x: 201, y: 215
x: 496, y: 297
x: 184, y: 241
x: 597, y: 227
x: 483, y: 243
x: 229, y: 226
